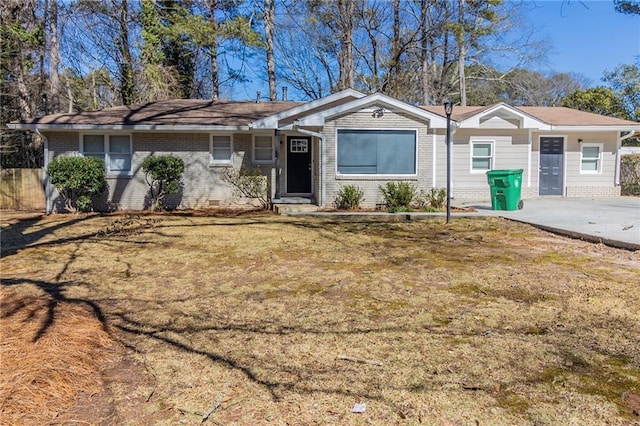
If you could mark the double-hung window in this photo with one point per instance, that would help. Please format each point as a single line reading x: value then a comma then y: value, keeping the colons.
x: 114, y: 150
x: 262, y: 149
x: 481, y: 156
x: 221, y: 149
x: 591, y: 158
x: 377, y: 152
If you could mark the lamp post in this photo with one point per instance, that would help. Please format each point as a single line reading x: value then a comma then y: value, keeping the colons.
x: 448, y: 108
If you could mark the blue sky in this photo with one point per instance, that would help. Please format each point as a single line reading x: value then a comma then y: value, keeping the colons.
x: 586, y: 37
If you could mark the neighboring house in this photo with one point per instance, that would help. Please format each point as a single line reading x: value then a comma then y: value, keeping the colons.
x: 309, y: 150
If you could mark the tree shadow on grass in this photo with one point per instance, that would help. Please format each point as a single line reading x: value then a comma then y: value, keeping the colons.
x: 19, y: 235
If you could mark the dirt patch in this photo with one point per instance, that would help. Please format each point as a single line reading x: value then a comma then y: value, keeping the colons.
x: 261, y: 319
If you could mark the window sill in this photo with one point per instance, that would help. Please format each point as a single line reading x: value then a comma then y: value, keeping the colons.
x: 378, y: 177
x: 220, y: 165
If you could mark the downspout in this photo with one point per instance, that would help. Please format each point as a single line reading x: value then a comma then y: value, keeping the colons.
x: 619, y: 157
x: 47, y: 183
x: 276, y: 143
x: 529, y: 154
x: 454, y: 128
x: 323, y: 162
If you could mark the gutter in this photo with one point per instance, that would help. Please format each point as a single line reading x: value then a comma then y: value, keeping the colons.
x: 45, y: 175
x: 323, y: 162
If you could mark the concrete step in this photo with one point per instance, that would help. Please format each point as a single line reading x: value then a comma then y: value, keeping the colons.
x: 294, y: 208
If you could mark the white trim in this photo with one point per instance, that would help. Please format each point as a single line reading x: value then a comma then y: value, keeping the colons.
x: 272, y: 121
x: 253, y: 148
x: 312, y: 174
x: 614, y: 127
x: 565, y: 139
x: 323, y: 164
x: 527, y: 121
x: 213, y: 161
x: 375, y: 100
x: 373, y: 176
x: 598, y: 160
x: 47, y: 181
x: 492, y: 157
x: 434, y: 160
x: 529, y: 156
x: 131, y: 127
x: 106, y: 146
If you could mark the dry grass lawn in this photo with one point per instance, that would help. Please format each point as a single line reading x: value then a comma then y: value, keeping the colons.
x: 262, y: 319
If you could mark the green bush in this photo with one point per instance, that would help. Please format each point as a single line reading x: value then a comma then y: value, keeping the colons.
x: 163, y: 174
x: 78, y: 180
x: 349, y: 197
x: 398, y: 196
x: 249, y: 183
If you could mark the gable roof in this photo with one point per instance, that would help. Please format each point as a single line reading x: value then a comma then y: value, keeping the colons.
x: 552, y: 118
x: 376, y: 100
x: 178, y: 114
x: 307, y: 108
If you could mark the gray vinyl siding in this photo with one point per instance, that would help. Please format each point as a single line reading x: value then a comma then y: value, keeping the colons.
x: 510, y: 151
x: 579, y: 184
x: 370, y: 184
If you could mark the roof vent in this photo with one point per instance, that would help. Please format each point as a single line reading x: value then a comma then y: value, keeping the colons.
x: 257, y: 97
x: 284, y: 93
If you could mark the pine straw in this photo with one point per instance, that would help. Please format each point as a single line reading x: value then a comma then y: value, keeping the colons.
x: 45, y: 366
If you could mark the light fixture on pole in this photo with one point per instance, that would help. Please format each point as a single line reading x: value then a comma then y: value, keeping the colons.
x: 448, y: 108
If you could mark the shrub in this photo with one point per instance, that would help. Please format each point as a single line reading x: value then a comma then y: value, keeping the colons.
x: 630, y: 174
x: 398, y: 195
x: 249, y: 183
x: 163, y: 174
x: 433, y: 201
x: 78, y: 180
x: 349, y: 197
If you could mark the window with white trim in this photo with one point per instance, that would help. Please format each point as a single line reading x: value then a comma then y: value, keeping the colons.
x: 591, y: 158
x: 114, y: 150
x: 377, y: 152
x: 262, y: 149
x: 481, y: 156
x: 221, y: 149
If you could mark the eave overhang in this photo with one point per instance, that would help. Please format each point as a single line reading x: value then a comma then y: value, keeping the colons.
x: 378, y: 101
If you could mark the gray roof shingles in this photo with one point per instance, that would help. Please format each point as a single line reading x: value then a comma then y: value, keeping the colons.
x: 183, y: 112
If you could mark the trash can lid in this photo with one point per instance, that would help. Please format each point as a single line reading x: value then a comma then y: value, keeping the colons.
x: 504, y: 172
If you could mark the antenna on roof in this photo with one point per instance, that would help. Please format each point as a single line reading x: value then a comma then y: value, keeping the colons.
x: 284, y: 93
x: 258, y: 97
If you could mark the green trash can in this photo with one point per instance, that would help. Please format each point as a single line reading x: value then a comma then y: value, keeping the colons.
x: 505, y: 188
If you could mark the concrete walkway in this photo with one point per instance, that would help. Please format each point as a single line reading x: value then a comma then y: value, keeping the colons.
x: 613, y: 221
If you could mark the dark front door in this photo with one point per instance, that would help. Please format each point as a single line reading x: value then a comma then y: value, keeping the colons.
x: 551, y: 165
x: 298, y: 165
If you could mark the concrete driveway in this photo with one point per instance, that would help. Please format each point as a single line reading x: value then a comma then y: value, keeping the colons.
x: 613, y: 221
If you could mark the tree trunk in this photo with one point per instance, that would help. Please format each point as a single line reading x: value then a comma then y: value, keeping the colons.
x: 269, y: 25
x: 213, y: 51
x: 424, y: 52
x: 395, y: 61
x: 54, y: 57
x: 462, y: 54
x: 127, y: 83
x: 346, y: 9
